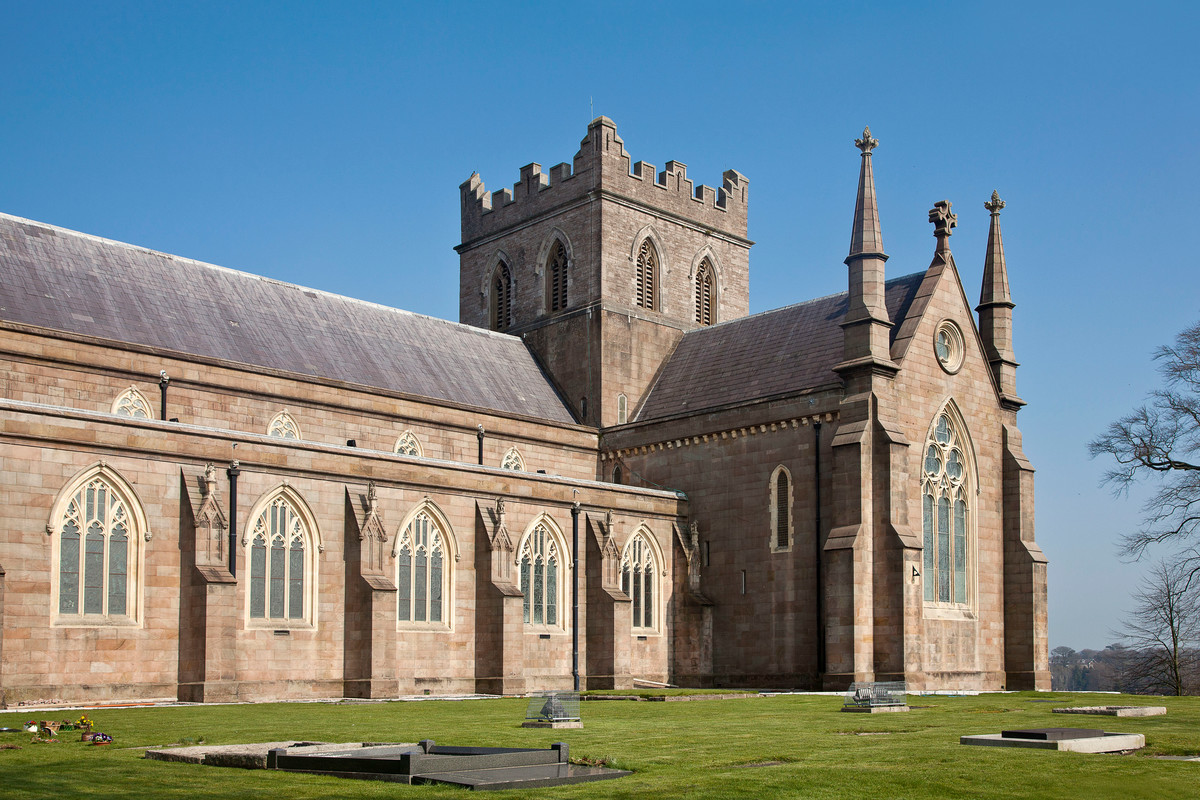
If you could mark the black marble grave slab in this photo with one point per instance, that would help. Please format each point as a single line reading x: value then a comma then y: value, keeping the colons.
x: 1052, y: 734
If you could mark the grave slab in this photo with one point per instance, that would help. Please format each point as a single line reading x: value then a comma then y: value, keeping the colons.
x: 1115, y: 711
x: 1105, y: 743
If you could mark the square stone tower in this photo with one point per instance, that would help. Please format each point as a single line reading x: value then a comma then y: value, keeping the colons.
x: 601, y: 267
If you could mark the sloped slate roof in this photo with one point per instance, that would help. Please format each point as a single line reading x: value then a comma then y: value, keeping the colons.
x: 72, y: 282
x: 774, y: 353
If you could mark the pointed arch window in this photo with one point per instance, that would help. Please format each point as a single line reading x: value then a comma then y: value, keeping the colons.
x: 132, y: 403
x: 502, y: 298
x: 639, y: 581
x: 781, y: 509
x: 512, y: 460
x: 704, y: 293
x: 283, y: 426
x: 408, y: 445
x: 540, y: 562
x: 423, y: 573
x: 282, y: 564
x: 98, y: 535
x: 946, y: 514
x: 647, y: 269
x: 622, y: 409
x: 556, y: 276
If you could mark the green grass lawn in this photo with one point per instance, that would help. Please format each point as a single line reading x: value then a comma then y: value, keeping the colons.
x: 696, y: 749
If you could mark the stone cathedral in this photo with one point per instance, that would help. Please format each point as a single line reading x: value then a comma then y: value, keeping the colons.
x: 216, y: 486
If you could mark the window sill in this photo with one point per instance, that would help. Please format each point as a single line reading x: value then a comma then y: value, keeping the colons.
x: 952, y: 613
x: 423, y: 627
x: 259, y: 624
x: 94, y: 621
x: 534, y: 630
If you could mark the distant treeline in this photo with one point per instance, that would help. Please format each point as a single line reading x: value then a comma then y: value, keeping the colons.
x: 1117, y: 668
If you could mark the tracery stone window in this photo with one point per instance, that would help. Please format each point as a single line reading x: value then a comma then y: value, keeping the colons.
x: 424, y: 571
x: 781, y: 509
x: 282, y: 563
x: 704, y: 293
x: 540, y: 563
x: 502, y: 298
x: 946, y: 514
x: 408, y: 445
x: 98, y: 533
x: 512, y: 460
x: 283, y: 426
x: 132, y: 403
x: 556, y: 277
x: 639, y: 580
x: 647, y: 268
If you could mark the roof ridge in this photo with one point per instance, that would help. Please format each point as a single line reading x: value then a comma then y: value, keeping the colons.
x: 791, y: 306
x: 250, y: 275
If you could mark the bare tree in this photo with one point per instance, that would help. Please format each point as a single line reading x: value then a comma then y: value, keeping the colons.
x: 1162, y: 633
x: 1160, y: 441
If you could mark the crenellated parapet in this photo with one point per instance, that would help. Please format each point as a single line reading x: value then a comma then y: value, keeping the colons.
x: 602, y: 167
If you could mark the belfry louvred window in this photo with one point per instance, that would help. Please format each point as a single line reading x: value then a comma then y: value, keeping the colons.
x: 647, y: 267
x: 556, y: 271
x: 704, y: 294
x: 502, y: 298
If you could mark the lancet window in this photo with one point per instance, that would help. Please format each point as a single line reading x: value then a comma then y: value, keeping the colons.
x: 98, y: 539
x: 781, y: 509
x: 540, y: 562
x: 280, y: 563
x: 423, y: 572
x: 946, y: 514
x: 639, y: 581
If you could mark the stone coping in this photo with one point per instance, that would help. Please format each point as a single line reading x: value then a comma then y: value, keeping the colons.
x: 1115, y: 711
x: 1108, y: 743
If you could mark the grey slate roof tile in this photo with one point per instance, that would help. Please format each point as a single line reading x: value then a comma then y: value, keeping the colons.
x: 67, y: 281
x: 788, y: 350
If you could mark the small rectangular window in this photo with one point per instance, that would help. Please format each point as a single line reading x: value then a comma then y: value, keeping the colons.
x: 743, y: 581
x: 707, y: 554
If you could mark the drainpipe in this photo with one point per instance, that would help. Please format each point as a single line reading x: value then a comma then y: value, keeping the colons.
x: 233, y: 473
x: 817, y: 538
x: 163, y: 380
x: 575, y: 591
x: 479, y: 436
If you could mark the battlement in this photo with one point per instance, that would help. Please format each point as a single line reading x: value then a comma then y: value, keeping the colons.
x: 601, y: 164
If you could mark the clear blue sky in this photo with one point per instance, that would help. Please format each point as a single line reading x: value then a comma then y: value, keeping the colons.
x: 323, y: 144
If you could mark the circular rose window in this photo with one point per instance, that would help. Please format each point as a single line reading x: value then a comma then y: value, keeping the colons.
x: 948, y: 345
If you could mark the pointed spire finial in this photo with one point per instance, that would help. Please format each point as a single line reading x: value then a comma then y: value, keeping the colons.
x: 943, y: 221
x: 995, y: 205
x: 866, y: 143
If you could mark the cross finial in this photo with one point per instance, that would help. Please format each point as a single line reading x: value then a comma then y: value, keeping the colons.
x: 943, y: 220
x: 995, y: 205
x: 866, y: 143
